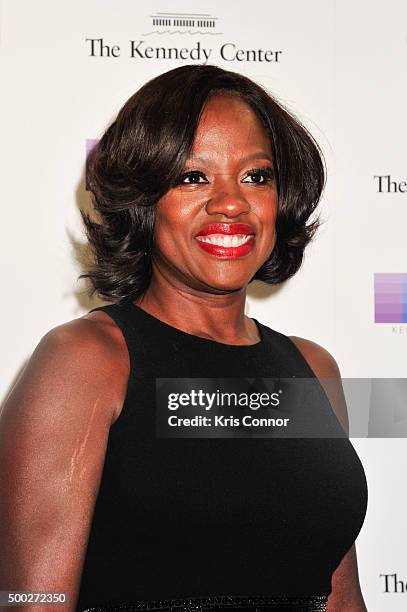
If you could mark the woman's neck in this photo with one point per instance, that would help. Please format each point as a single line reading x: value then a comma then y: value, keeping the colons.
x: 217, y: 316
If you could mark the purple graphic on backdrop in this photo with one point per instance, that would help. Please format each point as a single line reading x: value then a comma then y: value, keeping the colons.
x: 390, y: 297
x: 90, y: 145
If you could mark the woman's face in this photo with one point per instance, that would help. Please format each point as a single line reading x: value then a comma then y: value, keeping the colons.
x: 216, y: 228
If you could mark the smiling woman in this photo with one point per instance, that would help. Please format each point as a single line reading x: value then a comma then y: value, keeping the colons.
x: 220, y: 183
x: 150, y: 152
x: 203, y: 183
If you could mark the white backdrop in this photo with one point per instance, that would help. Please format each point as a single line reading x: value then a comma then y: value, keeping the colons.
x: 341, y: 67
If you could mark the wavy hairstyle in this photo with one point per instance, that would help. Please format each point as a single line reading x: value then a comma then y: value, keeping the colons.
x: 152, y: 137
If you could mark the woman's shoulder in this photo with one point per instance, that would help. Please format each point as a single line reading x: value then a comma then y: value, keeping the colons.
x: 92, y: 334
x: 87, y: 350
x: 326, y: 369
x: 319, y: 358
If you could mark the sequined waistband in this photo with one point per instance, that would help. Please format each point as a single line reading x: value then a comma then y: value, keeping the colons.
x: 259, y: 603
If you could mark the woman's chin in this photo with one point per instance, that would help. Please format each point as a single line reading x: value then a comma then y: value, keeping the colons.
x: 227, y: 284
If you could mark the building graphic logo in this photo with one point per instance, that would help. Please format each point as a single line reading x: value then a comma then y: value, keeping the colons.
x: 390, y: 291
x: 183, y: 23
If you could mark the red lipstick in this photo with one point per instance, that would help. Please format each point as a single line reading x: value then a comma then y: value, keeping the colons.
x: 226, y: 239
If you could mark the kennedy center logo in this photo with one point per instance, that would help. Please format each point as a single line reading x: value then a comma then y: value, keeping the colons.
x: 183, y: 23
x: 182, y: 37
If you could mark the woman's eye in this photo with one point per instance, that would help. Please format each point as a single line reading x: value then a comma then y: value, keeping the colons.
x: 259, y: 176
x: 193, y: 178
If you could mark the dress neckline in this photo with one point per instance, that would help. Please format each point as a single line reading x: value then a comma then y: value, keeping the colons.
x: 199, y: 339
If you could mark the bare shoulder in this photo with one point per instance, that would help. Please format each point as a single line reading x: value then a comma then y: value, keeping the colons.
x: 94, y: 343
x: 85, y: 356
x: 93, y: 330
x: 319, y: 359
x: 326, y: 369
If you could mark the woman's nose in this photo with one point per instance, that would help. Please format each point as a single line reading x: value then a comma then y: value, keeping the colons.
x: 229, y: 202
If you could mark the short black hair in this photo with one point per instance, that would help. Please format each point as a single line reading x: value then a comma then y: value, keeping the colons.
x: 151, y: 138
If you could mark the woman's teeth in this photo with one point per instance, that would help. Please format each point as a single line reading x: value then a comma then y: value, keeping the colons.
x: 226, y: 240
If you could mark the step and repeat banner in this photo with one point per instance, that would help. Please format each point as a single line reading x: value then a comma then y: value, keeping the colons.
x: 66, y: 70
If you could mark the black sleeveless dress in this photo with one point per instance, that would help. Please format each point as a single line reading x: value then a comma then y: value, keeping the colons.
x: 217, y: 523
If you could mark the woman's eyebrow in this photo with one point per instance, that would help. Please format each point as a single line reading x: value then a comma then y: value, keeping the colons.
x: 259, y: 155
x: 208, y: 158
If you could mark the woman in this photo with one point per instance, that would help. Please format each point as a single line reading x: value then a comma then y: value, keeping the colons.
x: 202, y: 184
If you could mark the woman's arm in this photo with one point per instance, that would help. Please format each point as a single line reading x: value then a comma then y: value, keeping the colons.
x: 53, y: 434
x: 346, y: 595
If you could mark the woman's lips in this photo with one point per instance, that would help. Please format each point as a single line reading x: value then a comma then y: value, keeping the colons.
x: 226, y: 239
x: 222, y: 250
